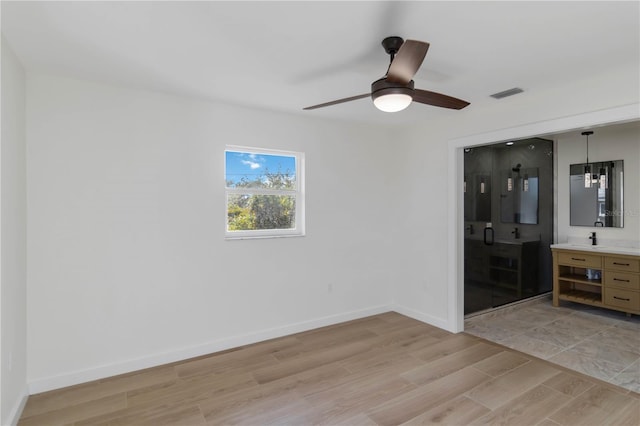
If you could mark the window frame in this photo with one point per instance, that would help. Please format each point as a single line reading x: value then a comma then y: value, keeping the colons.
x: 297, y: 193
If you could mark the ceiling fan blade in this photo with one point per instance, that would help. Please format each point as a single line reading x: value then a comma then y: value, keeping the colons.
x: 406, y: 62
x: 438, y: 99
x: 339, y: 101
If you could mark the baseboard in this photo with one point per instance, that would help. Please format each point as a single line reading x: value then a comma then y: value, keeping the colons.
x: 101, y: 372
x: 421, y: 316
x: 16, y: 412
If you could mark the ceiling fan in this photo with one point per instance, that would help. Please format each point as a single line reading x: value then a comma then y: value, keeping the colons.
x: 395, y: 91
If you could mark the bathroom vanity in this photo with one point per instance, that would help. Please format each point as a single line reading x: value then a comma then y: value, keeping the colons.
x: 607, y: 277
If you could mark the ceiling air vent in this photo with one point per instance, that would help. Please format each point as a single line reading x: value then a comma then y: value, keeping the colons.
x: 509, y: 92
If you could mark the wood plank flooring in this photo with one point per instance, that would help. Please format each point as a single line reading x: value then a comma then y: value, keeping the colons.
x: 382, y: 370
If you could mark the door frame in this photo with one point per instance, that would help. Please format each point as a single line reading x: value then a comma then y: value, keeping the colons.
x: 455, y: 179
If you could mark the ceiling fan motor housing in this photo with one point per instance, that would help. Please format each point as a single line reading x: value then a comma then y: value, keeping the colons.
x: 392, y: 44
x: 383, y: 87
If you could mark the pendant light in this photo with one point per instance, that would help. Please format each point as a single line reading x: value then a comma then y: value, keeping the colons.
x: 587, y: 176
x: 603, y: 178
x: 587, y: 167
x: 509, y: 176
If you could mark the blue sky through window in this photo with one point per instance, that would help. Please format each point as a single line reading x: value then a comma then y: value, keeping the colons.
x: 250, y: 166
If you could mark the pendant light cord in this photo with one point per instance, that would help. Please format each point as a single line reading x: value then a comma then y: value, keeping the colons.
x: 587, y: 149
x: 587, y: 135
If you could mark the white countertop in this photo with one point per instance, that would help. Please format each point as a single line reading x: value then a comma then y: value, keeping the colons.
x: 598, y: 248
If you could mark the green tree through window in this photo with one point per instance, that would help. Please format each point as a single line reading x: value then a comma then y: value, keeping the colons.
x: 259, y: 199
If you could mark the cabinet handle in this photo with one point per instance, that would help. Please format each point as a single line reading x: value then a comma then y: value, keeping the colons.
x: 620, y: 264
x: 621, y: 298
x: 581, y: 260
x: 624, y: 281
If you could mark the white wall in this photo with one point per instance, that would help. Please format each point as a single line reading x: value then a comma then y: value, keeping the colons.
x: 430, y: 266
x: 13, y: 281
x: 620, y: 142
x: 128, y: 266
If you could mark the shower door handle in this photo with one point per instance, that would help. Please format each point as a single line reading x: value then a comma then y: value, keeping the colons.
x: 486, y: 241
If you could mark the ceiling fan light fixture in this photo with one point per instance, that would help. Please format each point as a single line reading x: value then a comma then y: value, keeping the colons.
x: 391, y: 97
x: 392, y: 102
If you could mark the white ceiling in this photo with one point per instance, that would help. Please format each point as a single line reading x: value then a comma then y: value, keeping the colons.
x: 287, y: 55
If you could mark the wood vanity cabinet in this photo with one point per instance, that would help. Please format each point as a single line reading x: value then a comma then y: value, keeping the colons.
x: 614, y: 281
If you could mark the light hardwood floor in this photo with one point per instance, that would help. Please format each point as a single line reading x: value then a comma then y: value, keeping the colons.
x: 382, y: 370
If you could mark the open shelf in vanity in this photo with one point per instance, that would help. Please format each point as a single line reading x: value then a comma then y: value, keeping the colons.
x: 596, y: 277
x: 573, y: 283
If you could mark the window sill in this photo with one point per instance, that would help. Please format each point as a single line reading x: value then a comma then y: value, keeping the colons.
x: 260, y: 237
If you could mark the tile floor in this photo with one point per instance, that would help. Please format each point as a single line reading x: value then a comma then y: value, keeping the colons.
x: 598, y: 342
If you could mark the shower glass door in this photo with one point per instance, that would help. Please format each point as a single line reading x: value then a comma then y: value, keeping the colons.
x: 508, y: 213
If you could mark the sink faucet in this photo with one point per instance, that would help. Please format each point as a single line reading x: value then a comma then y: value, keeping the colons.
x: 593, y: 238
x: 516, y: 233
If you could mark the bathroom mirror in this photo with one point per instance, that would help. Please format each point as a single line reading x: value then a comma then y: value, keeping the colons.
x: 519, y: 195
x: 596, y: 194
x: 477, y: 197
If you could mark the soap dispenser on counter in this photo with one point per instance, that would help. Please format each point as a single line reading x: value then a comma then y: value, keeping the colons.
x: 488, y: 234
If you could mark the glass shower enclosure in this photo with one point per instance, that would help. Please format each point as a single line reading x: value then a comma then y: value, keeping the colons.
x: 508, y: 213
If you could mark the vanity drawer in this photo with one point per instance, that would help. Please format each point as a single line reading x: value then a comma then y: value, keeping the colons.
x: 622, y: 298
x: 580, y: 259
x: 622, y: 280
x: 622, y: 264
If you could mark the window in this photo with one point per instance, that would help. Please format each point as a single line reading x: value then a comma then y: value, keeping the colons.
x: 264, y: 193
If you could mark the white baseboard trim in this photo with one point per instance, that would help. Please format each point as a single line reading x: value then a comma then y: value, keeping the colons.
x: 16, y: 412
x: 101, y: 372
x: 421, y: 316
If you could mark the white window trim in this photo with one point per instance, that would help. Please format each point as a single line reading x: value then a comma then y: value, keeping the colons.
x: 299, y: 229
